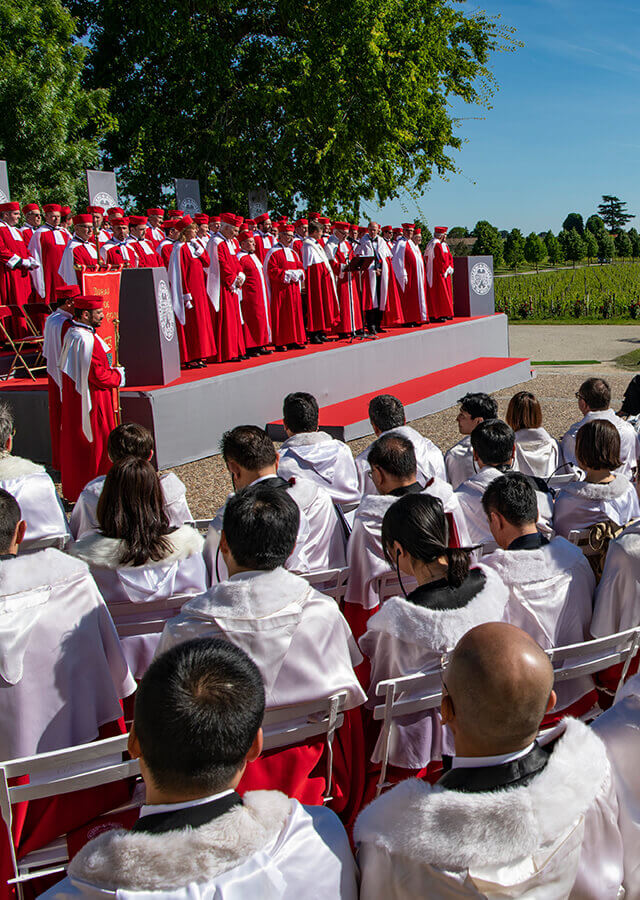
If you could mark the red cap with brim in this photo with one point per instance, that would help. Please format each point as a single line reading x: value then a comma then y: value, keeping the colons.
x: 155, y: 212
x: 397, y: 230
x: 408, y: 225
x: 229, y: 218
x: 52, y: 207
x: 175, y: 213
x: 245, y: 236
x: 361, y: 229
x: 115, y: 211
x: 315, y: 215
x: 184, y: 223
x: 301, y: 222
x: 30, y: 207
x: 65, y: 210
x: 343, y: 226
x: 83, y: 219
x: 250, y: 223
x: 288, y: 229
x: 440, y: 229
x: 88, y: 301
x: 201, y: 219
x: 138, y: 220
x: 96, y: 209
x: 67, y: 291
x: 262, y: 218
x: 120, y: 220
x: 324, y: 220
x: 168, y: 224
x: 387, y: 228
x: 10, y: 207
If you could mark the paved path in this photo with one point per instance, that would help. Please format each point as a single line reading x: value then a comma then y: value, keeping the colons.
x: 573, y: 342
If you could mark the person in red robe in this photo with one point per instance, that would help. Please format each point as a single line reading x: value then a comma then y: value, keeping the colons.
x: 203, y: 233
x: 171, y: 235
x: 55, y: 328
x: 224, y: 284
x: 323, y: 310
x: 119, y: 250
x: 301, y: 232
x: 340, y: 253
x: 143, y: 248
x: 80, y: 251
x: 439, y: 264
x: 409, y: 271
x: 284, y: 275
x: 97, y: 218
x: 186, y: 269
x: 88, y: 401
x: 16, y: 264
x: 33, y: 220
x: 47, y: 246
x: 255, y: 299
x: 263, y: 237
x: 155, y: 234
x: 381, y: 300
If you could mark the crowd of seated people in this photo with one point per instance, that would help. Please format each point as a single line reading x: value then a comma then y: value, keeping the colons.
x: 467, y: 563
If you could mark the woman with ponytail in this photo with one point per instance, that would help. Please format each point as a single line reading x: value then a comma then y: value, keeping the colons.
x: 410, y: 633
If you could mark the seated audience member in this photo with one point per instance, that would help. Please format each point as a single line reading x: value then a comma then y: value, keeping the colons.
x: 603, y: 495
x: 32, y: 488
x: 409, y: 634
x: 137, y: 556
x: 537, y: 453
x: 309, y: 453
x: 474, y: 409
x: 516, y: 815
x: 550, y: 583
x: 297, y: 637
x: 594, y: 401
x: 251, y: 457
x: 197, y: 725
x: 129, y: 439
x: 393, y: 472
x: 493, y: 445
x: 387, y: 416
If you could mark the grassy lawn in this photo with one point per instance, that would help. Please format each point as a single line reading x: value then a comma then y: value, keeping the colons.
x: 629, y: 360
x: 583, y: 320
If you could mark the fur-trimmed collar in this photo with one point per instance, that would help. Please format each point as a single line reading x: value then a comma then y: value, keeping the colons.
x: 135, y: 861
x: 455, y: 830
x: 251, y: 595
x: 16, y: 467
x: 98, y: 550
x: 611, y: 491
x: 31, y: 570
x: 304, y: 438
x: 441, y: 630
x: 527, y: 566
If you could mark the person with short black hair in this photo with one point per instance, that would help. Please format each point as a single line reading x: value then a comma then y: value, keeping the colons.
x: 594, y: 402
x: 605, y: 494
x: 517, y: 814
x: 410, y: 633
x: 550, y: 583
x: 197, y: 725
x: 393, y: 472
x: 537, y: 453
x: 387, y: 416
x: 251, y: 457
x: 12, y: 525
x: 129, y: 439
x: 474, y: 409
x: 309, y: 453
x: 493, y: 445
x: 32, y: 487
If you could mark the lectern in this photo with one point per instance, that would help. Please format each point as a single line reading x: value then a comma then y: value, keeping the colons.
x: 148, y: 341
x: 473, y: 286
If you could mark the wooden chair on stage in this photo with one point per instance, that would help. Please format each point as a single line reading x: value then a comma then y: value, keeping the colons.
x: 34, y: 339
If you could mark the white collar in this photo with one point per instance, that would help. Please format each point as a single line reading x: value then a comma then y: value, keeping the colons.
x: 480, y: 762
x: 247, y: 576
x: 153, y: 809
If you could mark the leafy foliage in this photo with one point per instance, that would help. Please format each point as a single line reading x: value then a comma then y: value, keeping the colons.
x: 554, y: 250
x: 614, y: 213
x: 488, y: 242
x: 590, y: 244
x: 534, y: 249
x: 514, y: 249
x: 623, y: 245
x: 574, y: 222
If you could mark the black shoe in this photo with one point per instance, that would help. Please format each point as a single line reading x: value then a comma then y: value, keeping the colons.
x: 280, y: 348
x: 315, y: 339
x: 323, y: 338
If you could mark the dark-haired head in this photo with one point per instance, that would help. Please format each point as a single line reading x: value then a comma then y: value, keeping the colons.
x: 510, y: 504
x: 594, y: 394
x: 7, y: 427
x: 395, y: 455
x: 131, y: 509
x: 386, y: 412
x: 197, y: 720
x: 248, y: 453
x: 598, y: 446
x: 12, y: 529
x: 493, y: 443
x: 259, y: 528
x: 524, y: 411
x: 130, y: 439
x: 415, y: 528
x: 479, y: 406
x: 300, y: 413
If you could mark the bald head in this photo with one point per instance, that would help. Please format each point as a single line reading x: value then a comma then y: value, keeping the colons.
x: 500, y: 685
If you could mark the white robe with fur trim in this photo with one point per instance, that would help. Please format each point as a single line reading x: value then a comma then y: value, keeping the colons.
x: 62, y: 670
x: 551, y: 598
x: 629, y: 440
x: 296, y: 636
x: 270, y: 848
x: 403, y: 638
x: 428, y: 456
x: 364, y: 553
x: 84, y: 516
x: 619, y: 728
x: 324, y: 460
x: 182, y: 573
x: 580, y: 504
x: 537, y: 453
x: 459, y: 462
x: 554, y: 838
x: 40, y: 506
x: 617, y: 605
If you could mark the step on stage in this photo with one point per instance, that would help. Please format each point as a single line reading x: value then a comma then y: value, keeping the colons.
x: 428, y: 368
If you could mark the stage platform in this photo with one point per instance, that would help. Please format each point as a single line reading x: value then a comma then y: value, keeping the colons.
x: 428, y: 368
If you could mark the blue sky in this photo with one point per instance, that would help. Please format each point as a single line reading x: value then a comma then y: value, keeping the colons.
x: 564, y: 128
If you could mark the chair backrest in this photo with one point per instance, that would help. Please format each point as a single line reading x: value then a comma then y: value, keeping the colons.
x: 387, y: 585
x: 589, y: 657
x: 332, y: 582
x: 59, y: 541
x: 144, y: 618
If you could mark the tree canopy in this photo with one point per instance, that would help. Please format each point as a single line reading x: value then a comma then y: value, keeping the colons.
x: 514, y: 249
x: 488, y: 242
x: 574, y: 221
x: 534, y: 249
x: 614, y: 213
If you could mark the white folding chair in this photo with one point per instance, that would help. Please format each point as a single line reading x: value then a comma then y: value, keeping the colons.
x: 578, y: 660
x: 201, y: 525
x: 332, y: 582
x: 145, y: 618
x: 58, y: 541
x: 53, y: 774
x: 387, y: 585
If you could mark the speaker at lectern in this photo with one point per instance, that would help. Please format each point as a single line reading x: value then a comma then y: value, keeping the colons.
x: 148, y: 340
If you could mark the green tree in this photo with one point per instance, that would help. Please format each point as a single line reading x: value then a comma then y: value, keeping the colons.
x: 534, y: 249
x: 595, y: 224
x: 458, y: 231
x: 574, y: 246
x: 50, y: 125
x: 324, y: 104
x: 606, y: 246
x: 488, y: 242
x: 591, y: 244
x: 554, y: 250
x: 573, y: 222
x: 634, y: 237
x: 514, y: 249
x: 623, y: 245
x: 614, y: 213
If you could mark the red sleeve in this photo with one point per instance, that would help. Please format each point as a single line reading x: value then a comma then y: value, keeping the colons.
x: 229, y: 266
x: 275, y: 268
x: 205, y: 259
x: 101, y: 375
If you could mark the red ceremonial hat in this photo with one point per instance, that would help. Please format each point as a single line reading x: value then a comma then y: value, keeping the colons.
x: 315, y: 215
x: 387, y: 228
x: 396, y: 230
x: 175, y: 213
x: 408, y: 225
x: 168, y: 224
x: 52, y: 207
x: 10, y: 207
x: 213, y: 219
x: 83, y: 219
x: 155, y: 212
x: 138, y: 220
x: 30, y: 207
x: 417, y: 230
x: 115, y: 211
x: 201, y: 218
x: 96, y: 209
x: 229, y: 218
x: 120, y: 220
x: 342, y: 225
x: 286, y: 228
x: 245, y: 235
x: 283, y: 220
x: 88, y: 301
x: 361, y: 229
x: 324, y: 220
x: 440, y: 229
x: 184, y: 222
x: 301, y: 222
x: 66, y: 291
x: 262, y: 218
x: 66, y: 210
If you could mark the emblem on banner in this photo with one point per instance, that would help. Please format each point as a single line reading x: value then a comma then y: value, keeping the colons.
x: 3, y: 197
x: 104, y: 200
x: 190, y: 206
x: 165, y: 311
x: 481, y: 278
